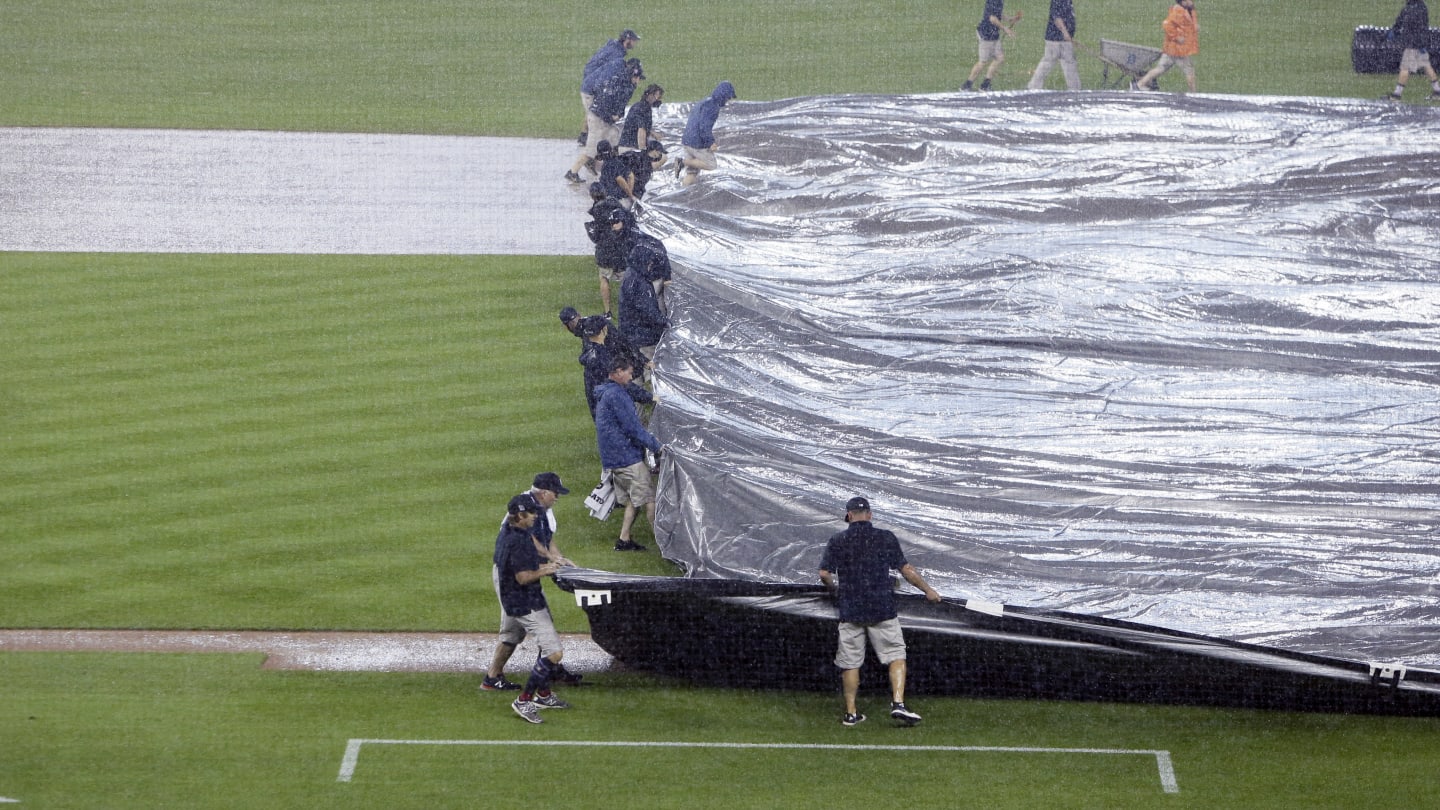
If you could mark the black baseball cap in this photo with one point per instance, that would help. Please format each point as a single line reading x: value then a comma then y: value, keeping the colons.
x: 594, y: 324
x: 629, y: 34
x: 522, y: 503
x: 856, y: 504
x: 569, y: 314
x: 550, y: 481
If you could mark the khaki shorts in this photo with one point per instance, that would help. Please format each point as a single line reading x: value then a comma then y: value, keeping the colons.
x: 536, y: 624
x: 1183, y: 62
x: 600, y: 130
x: 633, y: 485
x: 990, y: 49
x: 885, y: 638
x: 1413, y: 61
x: 610, y: 274
x: 700, y: 158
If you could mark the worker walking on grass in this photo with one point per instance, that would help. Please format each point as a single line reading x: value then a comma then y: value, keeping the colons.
x: 1182, y: 43
x: 1059, y: 47
x: 992, y: 51
x: 1411, y: 31
x: 856, y: 568
x: 525, y: 611
x: 546, y: 490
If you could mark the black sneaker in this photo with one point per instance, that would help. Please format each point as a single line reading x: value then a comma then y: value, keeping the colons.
x: 558, y: 672
x: 1434, y: 95
x: 968, y: 85
x: 628, y: 545
x: 898, y: 711
x: 583, y: 137
x: 985, y: 85
x: 498, y: 684
x: 852, y: 719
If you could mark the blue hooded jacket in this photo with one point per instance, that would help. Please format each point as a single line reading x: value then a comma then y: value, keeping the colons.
x: 641, y: 319
x: 613, y: 95
x: 598, y: 67
x: 699, y: 128
x: 618, y: 431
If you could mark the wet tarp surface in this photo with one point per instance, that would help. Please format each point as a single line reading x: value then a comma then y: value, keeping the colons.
x: 1170, y: 360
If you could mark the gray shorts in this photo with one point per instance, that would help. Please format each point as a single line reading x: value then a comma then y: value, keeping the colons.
x: 990, y: 49
x: 600, y: 130
x: 538, y: 624
x: 1413, y: 61
x: 700, y: 158
x: 633, y: 485
x: 885, y: 638
x: 1183, y: 62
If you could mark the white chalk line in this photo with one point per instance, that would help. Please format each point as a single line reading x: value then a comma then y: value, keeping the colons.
x: 1163, y: 762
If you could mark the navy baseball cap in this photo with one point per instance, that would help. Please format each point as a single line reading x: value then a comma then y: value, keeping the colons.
x: 550, y: 481
x: 856, y: 504
x: 629, y: 34
x: 594, y: 324
x: 522, y: 503
x: 569, y: 314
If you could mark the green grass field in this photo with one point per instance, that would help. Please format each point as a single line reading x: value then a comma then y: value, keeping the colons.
x: 326, y: 442
x: 145, y: 731
x: 494, y: 68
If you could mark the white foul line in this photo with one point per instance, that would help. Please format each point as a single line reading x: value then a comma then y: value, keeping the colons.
x: 1162, y: 758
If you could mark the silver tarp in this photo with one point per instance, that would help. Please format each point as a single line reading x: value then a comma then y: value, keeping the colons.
x: 1142, y: 356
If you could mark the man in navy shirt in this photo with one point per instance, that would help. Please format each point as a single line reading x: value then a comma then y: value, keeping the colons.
x: 519, y: 572
x: 1059, y: 47
x: 992, y: 52
x: 1411, y: 32
x: 856, y: 568
x: 546, y: 489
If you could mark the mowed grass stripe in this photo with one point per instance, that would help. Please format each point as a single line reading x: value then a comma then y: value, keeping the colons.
x: 276, y: 438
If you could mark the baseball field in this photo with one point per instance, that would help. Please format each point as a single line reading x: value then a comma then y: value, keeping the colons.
x: 300, y: 442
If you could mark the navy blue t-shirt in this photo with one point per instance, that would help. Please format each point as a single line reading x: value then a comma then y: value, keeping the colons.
x: 515, y: 551
x: 861, y: 559
x: 989, y: 31
x: 1065, y: 10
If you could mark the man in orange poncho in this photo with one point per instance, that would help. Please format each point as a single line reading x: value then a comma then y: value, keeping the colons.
x: 1182, y: 41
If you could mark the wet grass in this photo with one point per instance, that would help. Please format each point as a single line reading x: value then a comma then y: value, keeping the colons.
x: 209, y: 731
x: 283, y: 442
x: 488, y: 68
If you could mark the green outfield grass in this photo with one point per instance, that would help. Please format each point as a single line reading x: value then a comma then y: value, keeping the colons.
x: 513, y: 68
x: 284, y: 442
x: 212, y: 731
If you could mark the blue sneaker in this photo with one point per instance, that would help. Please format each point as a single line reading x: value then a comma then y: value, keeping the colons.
x: 899, y: 711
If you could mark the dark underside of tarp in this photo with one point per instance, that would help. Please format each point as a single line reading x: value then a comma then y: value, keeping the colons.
x: 1138, y: 357
x: 777, y: 636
